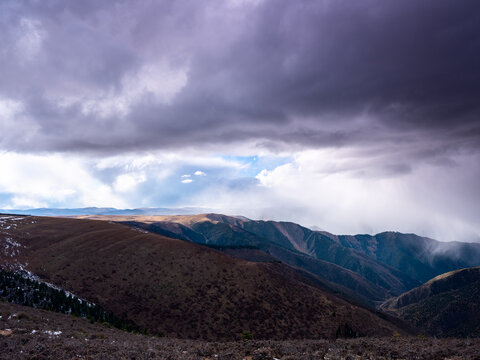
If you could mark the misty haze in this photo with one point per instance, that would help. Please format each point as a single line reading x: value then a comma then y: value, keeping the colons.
x: 240, y: 179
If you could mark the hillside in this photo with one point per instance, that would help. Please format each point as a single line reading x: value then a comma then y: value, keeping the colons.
x: 394, y: 261
x: 447, y: 305
x: 178, y: 288
x: 27, y: 333
x: 240, y: 243
x: 369, y: 268
x: 369, y: 280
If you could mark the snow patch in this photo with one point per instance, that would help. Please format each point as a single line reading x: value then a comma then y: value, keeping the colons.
x: 143, y: 231
x: 31, y: 276
x: 52, y: 333
x: 11, y: 248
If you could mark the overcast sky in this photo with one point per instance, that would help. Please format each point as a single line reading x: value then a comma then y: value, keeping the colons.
x: 352, y: 116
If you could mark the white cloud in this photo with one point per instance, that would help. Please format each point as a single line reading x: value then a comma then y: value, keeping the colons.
x: 167, y: 159
x: 127, y: 182
x: 53, y: 179
x: 240, y: 3
x: 326, y: 189
x: 157, y: 81
x: 25, y: 202
x: 9, y: 109
x: 30, y: 37
x: 131, y: 180
x: 321, y: 188
x: 14, y: 124
x: 199, y: 173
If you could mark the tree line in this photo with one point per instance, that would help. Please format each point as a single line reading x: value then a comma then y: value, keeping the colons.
x: 21, y: 290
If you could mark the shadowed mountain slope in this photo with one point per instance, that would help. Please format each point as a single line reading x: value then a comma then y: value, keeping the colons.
x: 179, y: 288
x: 419, y: 257
x: 447, y: 305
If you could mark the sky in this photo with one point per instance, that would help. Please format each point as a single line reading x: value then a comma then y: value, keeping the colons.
x: 350, y: 116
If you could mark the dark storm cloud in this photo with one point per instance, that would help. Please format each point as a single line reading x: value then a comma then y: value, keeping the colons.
x: 284, y: 74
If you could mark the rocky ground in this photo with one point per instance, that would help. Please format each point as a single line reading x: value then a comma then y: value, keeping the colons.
x: 27, y: 333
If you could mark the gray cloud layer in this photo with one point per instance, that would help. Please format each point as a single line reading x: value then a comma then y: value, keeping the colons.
x: 368, y: 110
x: 126, y: 75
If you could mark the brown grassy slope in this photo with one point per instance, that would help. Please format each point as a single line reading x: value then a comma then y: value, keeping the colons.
x: 180, y: 288
x: 28, y: 337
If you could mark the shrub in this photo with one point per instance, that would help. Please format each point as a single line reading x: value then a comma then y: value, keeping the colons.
x: 23, y: 315
x: 246, y: 335
x: 346, y: 331
x: 80, y: 334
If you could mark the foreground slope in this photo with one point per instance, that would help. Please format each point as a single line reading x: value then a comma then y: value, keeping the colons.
x: 447, y: 305
x: 179, y: 288
x: 27, y: 333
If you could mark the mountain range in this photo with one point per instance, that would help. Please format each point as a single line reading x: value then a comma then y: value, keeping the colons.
x: 214, y: 277
x: 100, y: 211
